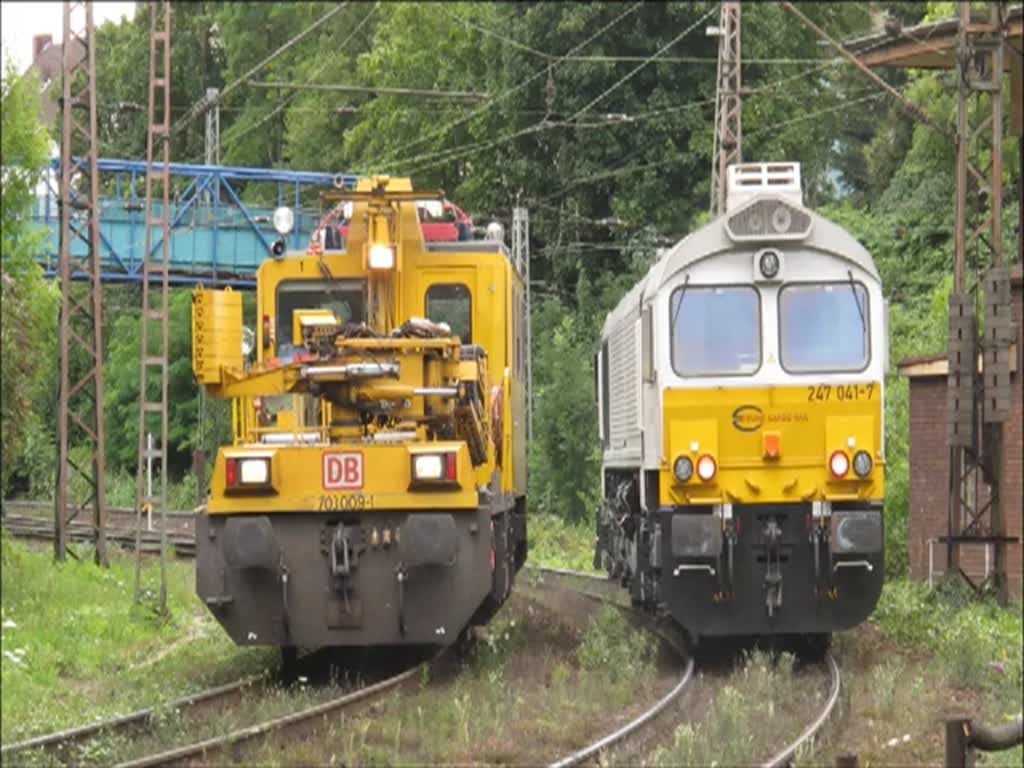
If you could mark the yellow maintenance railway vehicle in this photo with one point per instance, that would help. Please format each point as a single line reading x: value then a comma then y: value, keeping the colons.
x: 375, y: 491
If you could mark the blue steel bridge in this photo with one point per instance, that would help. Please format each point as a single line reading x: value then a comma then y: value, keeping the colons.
x: 216, y: 238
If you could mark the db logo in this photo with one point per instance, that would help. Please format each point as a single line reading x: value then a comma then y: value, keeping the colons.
x: 343, y: 470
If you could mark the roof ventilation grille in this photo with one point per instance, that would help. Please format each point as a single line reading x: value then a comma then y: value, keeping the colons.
x: 748, y: 180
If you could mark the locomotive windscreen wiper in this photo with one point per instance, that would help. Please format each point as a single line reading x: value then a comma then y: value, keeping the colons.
x: 856, y: 300
x: 682, y: 295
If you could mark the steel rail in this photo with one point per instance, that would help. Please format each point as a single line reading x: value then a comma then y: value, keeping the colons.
x: 785, y: 757
x: 647, y: 715
x: 616, y: 736
x: 67, y: 738
x: 204, y: 749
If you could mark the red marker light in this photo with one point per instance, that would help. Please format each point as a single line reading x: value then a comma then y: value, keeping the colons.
x: 839, y: 464
x: 231, y: 472
x: 706, y: 467
x: 449, y: 466
x: 266, y: 331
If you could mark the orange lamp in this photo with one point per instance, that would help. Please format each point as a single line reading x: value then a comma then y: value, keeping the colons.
x: 772, y: 445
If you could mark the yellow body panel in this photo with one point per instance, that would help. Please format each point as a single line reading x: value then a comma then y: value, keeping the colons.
x: 299, y: 474
x: 811, y: 422
x: 216, y: 333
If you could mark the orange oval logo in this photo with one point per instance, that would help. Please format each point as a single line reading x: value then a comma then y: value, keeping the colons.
x: 747, y: 418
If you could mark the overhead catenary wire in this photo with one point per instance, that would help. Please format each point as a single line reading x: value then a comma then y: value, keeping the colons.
x: 442, y: 130
x: 345, y: 88
x: 447, y: 155
x: 205, y: 104
x: 232, y: 139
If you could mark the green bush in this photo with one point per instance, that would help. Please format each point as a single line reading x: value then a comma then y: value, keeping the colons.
x: 612, y: 645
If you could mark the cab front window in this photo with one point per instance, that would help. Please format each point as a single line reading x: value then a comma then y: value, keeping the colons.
x: 452, y: 303
x: 716, y: 330
x: 823, y: 327
x: 345, y: 298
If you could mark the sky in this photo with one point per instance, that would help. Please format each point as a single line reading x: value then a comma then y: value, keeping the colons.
x: 20, y: 21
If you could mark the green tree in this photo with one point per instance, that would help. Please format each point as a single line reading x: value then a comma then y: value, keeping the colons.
x: 28, y: 327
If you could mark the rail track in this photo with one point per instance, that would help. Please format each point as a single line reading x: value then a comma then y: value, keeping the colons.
x: 785, y: 757
x: 591, y: 585
x: 62, y: 743
x: 212, y: 750
x: 601, y: 589
x: 183, y: 545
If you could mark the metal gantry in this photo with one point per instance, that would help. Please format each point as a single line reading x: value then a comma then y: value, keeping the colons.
x: 80, y: 478
x: 728, y: 145
x: 521, y: 258
x: 153, y: 410
x: 978, y: 404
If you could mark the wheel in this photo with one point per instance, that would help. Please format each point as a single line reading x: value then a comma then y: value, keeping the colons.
x: 289, y: 664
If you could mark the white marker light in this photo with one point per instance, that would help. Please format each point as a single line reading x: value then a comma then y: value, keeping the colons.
x: 382, y: 257
x: 284, y: 220
x: 254, y: 471
x: 428, y: 467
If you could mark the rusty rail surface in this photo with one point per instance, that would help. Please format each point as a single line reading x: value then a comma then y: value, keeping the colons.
x: 210, y: 750
x: 785, y: 757
x: 62, y: 741
x: 33, y: 527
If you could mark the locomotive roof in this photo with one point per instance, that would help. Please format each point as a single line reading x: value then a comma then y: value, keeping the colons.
x: 711, y: 239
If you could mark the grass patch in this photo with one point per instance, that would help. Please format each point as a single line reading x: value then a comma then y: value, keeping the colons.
x: 556, y: 543
x: 77, y: 647
x: 747, y: 720
x: 531, y: 691
x: 978, y: 642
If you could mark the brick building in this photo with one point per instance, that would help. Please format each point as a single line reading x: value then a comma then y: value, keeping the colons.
x: 929, y: 465
x: 47, y: 63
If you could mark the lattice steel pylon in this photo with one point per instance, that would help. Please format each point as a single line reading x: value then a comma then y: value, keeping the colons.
x: 155, y: 355
x: 976, y: 476
x: 80, y: 402
x: 728, y: 144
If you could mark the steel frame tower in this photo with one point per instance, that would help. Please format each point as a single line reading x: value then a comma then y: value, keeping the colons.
x: 80, y: 402
x: 728, y: 145
x: 155, y: 355
x: 976, y: 460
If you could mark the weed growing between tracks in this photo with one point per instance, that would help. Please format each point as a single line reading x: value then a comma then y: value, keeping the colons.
x: 927, y: 655
x: 531, y: 691
x: 750, y: 714
x: 76, y: 647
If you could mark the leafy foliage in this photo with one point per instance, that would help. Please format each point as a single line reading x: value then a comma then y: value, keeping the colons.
x: 29, y: 305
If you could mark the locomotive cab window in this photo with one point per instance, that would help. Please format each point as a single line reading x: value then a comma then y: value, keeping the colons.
x: 452, y: 303
x: 716, y: 330
x: 345, y: 298
x: 824, y: 327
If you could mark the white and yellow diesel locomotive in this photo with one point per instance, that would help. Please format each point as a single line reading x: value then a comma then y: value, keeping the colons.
x: 740, y: 388
x: 375, y: 490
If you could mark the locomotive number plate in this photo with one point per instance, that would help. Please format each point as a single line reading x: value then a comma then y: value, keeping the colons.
x: 827, y: 392
x: 343, y: 471
x: 345, y: 502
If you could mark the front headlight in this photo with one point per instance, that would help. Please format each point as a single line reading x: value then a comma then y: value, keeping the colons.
x: 427, y: 467
x: 683, y: 469
x: 284, y: 220
x: 862, y: 463
x: 382, y: 256
x: 435, y: 469
x: 241, y: 472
